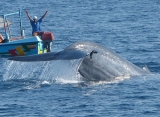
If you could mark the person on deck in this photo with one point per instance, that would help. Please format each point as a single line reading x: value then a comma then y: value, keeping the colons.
x: 35, y: 23
x: 1, y: 39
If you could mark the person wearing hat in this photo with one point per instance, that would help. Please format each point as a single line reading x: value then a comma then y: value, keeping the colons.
x: 35, y: 23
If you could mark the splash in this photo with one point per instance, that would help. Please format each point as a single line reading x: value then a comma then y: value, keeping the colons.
x: 48, y: 71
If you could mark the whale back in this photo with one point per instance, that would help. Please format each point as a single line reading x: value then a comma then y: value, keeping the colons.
x: 104, y: 65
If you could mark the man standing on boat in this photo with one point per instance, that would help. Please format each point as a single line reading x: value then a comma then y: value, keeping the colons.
x: 35, y: 22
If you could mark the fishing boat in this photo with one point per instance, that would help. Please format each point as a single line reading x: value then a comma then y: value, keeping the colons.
x: 22, y: 45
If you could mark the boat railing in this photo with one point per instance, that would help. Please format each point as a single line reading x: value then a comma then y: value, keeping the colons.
x: 6, y: 24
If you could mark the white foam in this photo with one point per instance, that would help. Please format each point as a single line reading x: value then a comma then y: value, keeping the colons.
x: 59, y: 71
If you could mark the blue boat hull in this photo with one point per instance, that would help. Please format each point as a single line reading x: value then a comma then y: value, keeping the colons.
x: 22, y: 47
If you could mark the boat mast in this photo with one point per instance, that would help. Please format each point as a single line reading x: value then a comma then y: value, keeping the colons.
x: 20, y: 16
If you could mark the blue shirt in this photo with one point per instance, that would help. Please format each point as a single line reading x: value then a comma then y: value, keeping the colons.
x: 36, y: 26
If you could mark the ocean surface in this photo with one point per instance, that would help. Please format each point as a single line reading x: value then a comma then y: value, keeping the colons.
x: 53, y: 89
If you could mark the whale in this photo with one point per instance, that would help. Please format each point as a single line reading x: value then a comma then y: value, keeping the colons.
x: 97, y: 62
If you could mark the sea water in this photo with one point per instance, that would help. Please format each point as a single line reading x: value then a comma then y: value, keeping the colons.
x: 54, y: 89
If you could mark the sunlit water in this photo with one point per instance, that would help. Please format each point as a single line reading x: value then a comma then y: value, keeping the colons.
x: 55, y: 88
